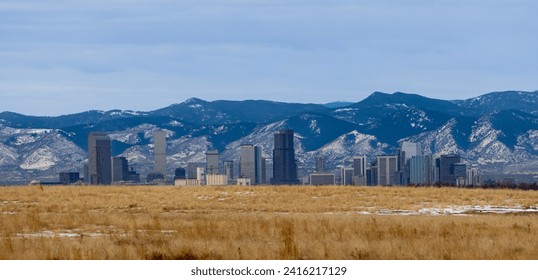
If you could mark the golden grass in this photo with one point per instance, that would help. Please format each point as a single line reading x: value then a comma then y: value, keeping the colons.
x: 261, y: 223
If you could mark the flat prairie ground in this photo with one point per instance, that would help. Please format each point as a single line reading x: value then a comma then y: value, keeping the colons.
x: 265, y: 222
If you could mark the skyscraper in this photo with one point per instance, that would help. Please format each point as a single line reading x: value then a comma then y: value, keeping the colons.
x: 473, y: 178
x: 212, y: 162
x: 284, y: 164
x: 359, y: 166
x: 420, y: 170
x: 250, y: 163
x: 359, y: 170
x: 120, y: 169
x: 99, y: 159
x: 387, y: 170
x: 410, y: 149
x: 407, y: 150
x: 159, y: 151
x: 446, y: 169
x: 346, y: 176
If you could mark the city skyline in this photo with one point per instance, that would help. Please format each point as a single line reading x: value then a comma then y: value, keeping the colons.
x: 408, y: 167
x: 67, y: 57
x: 38, y: 148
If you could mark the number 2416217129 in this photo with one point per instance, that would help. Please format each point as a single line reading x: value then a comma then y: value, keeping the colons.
x: 298, y: 271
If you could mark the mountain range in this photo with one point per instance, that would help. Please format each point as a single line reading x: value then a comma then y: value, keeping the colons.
x: 497, y: 131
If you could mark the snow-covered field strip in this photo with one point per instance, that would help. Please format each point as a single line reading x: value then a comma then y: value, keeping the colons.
x: 459, y: 210
x: 81, y: 234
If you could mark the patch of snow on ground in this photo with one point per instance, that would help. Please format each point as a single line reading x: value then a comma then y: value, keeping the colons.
x: 385, y: 212
x: 63, y: 234
x: 245, y: 193
x: 457, y: 210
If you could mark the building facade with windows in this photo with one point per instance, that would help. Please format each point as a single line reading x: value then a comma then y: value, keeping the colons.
x: 284, y: 163
x: 99, y: 159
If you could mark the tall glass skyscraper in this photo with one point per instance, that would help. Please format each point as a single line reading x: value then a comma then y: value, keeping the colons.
x: 284, y: 164
x: 420, y: 170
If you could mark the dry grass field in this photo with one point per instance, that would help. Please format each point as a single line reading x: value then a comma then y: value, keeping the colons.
x: 267, y: 223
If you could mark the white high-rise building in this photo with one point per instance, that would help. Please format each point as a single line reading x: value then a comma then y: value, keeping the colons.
x: 410, y: 149
x: 473, y: 177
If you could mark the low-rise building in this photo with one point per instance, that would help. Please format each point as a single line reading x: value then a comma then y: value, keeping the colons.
x: 68, y: 178
x: 187, y: 182
x: 318, y: 179
x: 216, y: 180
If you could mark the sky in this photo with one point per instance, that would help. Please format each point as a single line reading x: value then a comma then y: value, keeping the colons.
x: 67, y: 56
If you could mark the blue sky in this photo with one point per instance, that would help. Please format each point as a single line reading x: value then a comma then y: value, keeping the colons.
x: 59, y: 57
